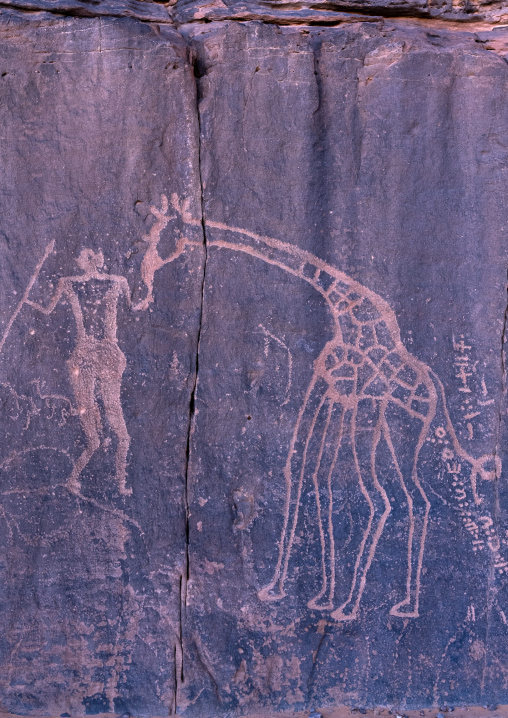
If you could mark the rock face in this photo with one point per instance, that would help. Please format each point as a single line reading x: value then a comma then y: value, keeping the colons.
x: 91, y: 575
x: 252, y: 368
x: 349, y: 368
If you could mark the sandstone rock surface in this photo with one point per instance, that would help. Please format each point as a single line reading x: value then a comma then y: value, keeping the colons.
x: 252, y: 367
x: 91, y: 577
x: 376, y: 150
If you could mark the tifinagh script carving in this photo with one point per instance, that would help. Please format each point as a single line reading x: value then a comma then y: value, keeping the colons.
x: 361, y: 373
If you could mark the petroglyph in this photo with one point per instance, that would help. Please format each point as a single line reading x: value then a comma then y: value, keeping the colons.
x: 97, y: 363
x: 24, y: 299
x: 35, y: 403
x: 361, y: 374
x: 152, y: 261
x: 268, y: 336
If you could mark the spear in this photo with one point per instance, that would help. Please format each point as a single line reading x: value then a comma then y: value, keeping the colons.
x: 27, y: 291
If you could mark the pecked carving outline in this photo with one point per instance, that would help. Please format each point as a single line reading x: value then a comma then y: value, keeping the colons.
x: 364, y: 361
x: 97, y: 363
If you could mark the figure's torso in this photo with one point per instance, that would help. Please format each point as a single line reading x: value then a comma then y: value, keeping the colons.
x: 94, y: 302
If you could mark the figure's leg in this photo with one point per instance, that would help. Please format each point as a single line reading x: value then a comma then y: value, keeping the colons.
x: 379, y: 510
x: 83, y: 384
x: 110, y: 388
x: 418, y: 510
x: 275, y: 589
x: 324, y: 599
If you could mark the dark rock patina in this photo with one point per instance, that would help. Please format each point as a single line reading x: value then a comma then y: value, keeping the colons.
x: 252, y: 372
x: 91, y: 577
x: 350, y: 154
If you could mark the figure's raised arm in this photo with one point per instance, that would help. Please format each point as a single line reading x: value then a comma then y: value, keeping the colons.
x: 60, y: 290
x: 126, y: 291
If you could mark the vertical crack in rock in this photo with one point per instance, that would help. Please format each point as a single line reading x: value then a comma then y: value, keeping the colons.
x: 179, y: 666
x: 315, y: 663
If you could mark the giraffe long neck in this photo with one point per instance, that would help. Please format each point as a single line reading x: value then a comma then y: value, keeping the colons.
x: 335, y: 286
x: 293, y: 259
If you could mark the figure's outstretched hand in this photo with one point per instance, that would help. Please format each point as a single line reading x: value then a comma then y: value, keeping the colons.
x: 54, y: 300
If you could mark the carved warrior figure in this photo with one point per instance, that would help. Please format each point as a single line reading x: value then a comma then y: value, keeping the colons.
x: 362, y: 372
x: 97, y: 363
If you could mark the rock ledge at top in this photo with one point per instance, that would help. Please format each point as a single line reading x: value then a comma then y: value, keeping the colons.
x: 136, y: 9
x: 466, y: 13
x: 336, y: 12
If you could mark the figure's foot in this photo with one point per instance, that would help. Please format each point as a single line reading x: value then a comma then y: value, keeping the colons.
x: 320, y: 602
x: 124, y: 491
x: 347, y: 612
x: 271, y: 593
x: 405, y: 609
x: 74, y: 486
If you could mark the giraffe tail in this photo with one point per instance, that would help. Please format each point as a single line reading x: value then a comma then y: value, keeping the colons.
x: 476, y: 518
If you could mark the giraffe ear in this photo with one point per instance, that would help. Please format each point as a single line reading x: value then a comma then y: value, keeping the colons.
x: 175, y: 202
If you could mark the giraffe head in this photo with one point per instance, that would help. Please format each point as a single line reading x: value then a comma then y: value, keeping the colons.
x: 487, y: 467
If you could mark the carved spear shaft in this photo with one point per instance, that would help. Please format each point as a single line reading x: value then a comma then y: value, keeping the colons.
x: 27, y: 291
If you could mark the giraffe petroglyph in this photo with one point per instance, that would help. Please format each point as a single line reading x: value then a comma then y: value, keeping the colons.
x: 152, y: 261
x: 361, y: 373
x: 97, y: 363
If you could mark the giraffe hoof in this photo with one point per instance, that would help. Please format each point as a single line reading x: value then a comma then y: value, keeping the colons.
x: 345, y: 613
x: 404, y: 609
x: 270, y: 593
x: 319, y: 604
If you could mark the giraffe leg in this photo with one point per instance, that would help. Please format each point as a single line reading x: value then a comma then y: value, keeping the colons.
x: 379, y: 510
x: 418, y: 513
x: 324, y: 500
x: 275, y: 589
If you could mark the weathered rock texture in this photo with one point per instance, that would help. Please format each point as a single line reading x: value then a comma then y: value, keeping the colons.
x: 98, y: 118
x: 252, y: 368
x: 379, y: 150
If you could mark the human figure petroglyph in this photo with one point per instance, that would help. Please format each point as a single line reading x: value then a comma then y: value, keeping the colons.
x: 363, y: 371
x: 97, y: 363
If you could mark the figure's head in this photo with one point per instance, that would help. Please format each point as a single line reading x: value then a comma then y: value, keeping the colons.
x: 90, y: 261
